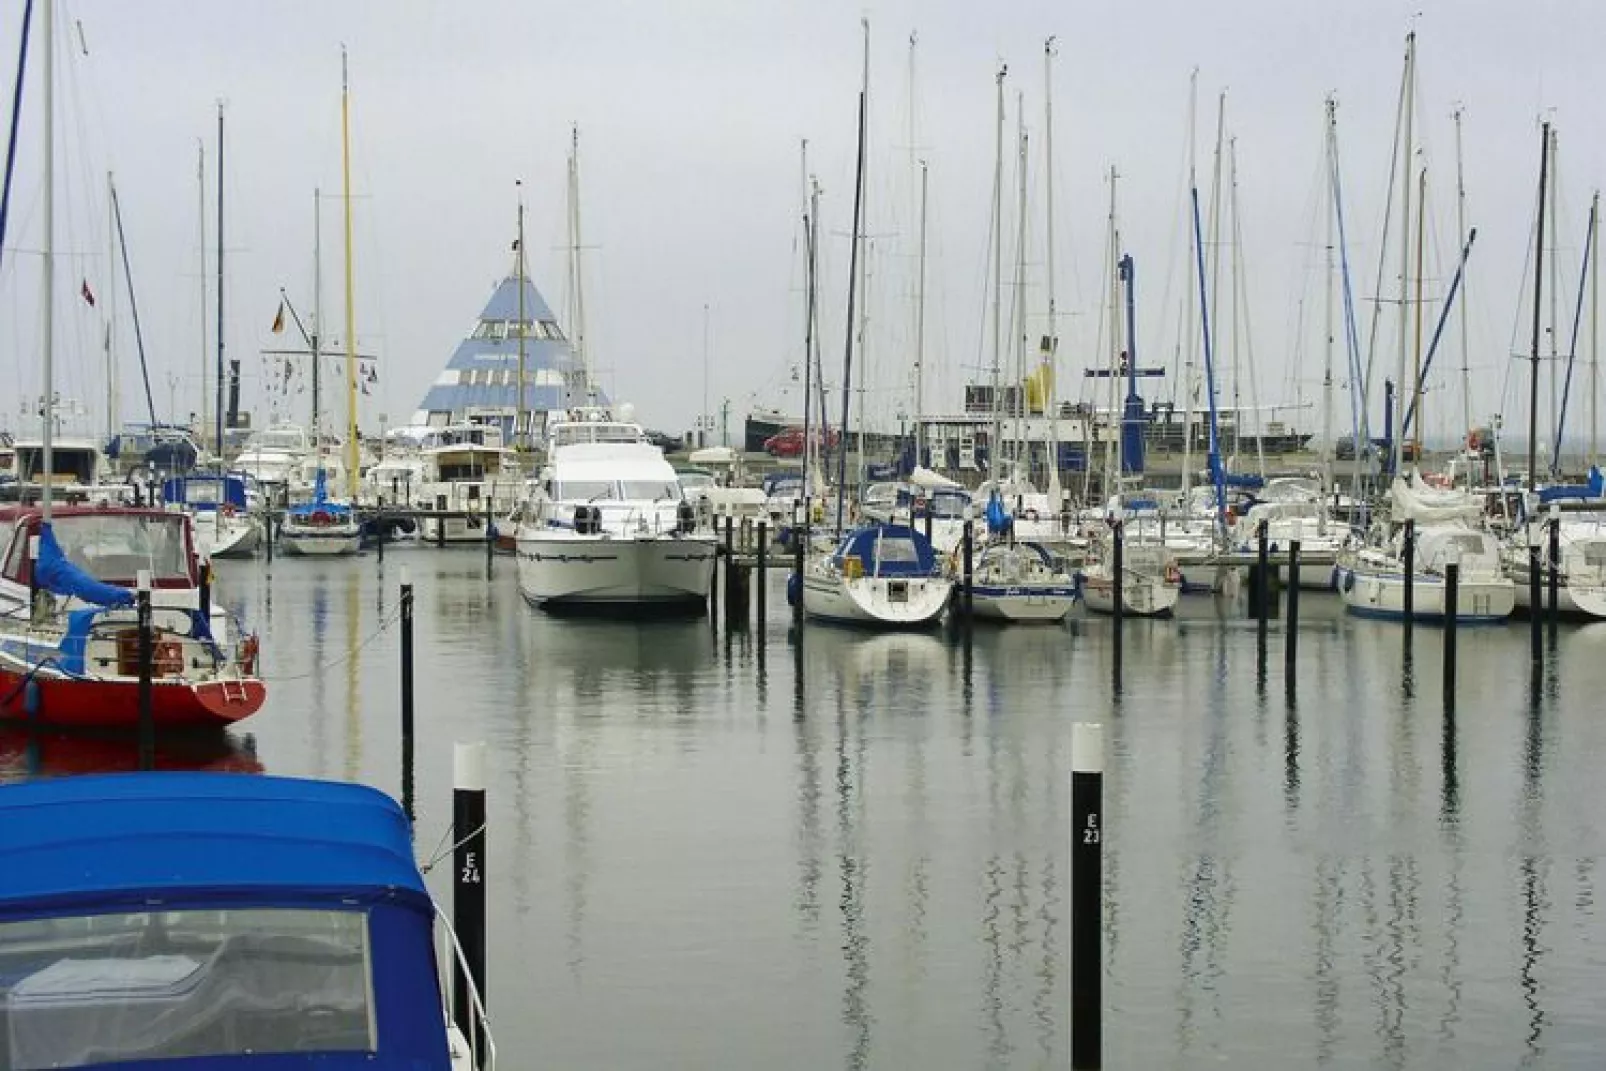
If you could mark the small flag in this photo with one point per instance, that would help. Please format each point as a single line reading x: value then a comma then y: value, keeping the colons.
x: 278, y: 319
x: 87, y: 294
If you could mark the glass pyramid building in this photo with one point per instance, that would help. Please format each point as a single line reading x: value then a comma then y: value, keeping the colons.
x: 480, y: 382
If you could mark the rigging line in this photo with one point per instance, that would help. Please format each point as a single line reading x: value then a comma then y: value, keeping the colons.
x: 1382, y: 248
x: 440, y: 856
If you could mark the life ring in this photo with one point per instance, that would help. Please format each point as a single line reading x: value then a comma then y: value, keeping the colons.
x: 1173, y: 573
x: 247, y: 655
x: 227, y: 509
x: 320, y: 518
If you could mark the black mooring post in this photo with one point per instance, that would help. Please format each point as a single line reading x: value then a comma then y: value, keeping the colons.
x: 761, y: 576
x: 407, y: 692
x: 969, y: 564
x: 270, y: 523
x: 383, y: 525
x: 1536, y: 602
x: 1262, y: 577
x: 800, y: 539
x: 490, y: 539
x: 1452, y: 598
x: 468, y: 887
x: 206, y: 592
x: 1087, y: 892
x: 928, y: 520
x: 1410, y: 576
x: 713, y: 580
x: 1553, y: 574
x: 731, y: 591
x: 147, y: 720
x: 1291, y: 626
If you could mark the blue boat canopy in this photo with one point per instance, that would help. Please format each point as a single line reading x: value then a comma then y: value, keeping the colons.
x: 320, y: 501
x: 1595, y: 488
x: 115, y: 839
x: 206, y: 490
x: 59, y: 575
x: 889, y: 550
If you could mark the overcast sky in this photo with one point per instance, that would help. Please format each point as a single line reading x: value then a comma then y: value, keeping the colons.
x: 690, y: 116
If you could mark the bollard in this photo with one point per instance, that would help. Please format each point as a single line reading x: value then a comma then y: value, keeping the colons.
x: 1087, y: 887
x: 969, y: 563
x: 407, y: 691
x: 1554, y: 574
x: 1452, y: 585
x: 206, y: 592
x: 1535, y: 597
x: 800, y: 538
x: 1410, y: 576
x: 468, y: 887
x: 490, y: 539
x: 269, y: 525
x: 1262, y: 578
x: 731, y: 592
x: 440, y: 532
x: 1117, y: 599
x: 761, y: 577
x: 1291, y: 628
x: 147, y: 720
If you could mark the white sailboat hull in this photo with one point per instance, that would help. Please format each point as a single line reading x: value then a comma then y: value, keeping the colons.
x: 1023, y: 602
x: 227, y: 537
x: 326, y: 542
x: 1572, y: 599
x: 887, y: 602
x: 1373, y: 593
x: 565, y: 569
x: 1141, y: 596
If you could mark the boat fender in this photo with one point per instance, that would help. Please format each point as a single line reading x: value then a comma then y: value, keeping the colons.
x: 247, y: 655
x: 794, y: 590
x: 31, y: 698
x: 1349, y: 582
x: 1173, y: 574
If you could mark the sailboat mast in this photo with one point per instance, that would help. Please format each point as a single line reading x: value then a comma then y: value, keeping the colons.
x: 1188, y: 334
x: 860, y: 227
x: 1539, y: 280
x: 811, y: 206
x: 352, y: 456
x: 206, y: 353
x: 317, y: 317
x: 1555, y: 284
x: 1229, y: 228
x: 1594, y: 336
x: 1416, y: 379
x: 1461, y: 238
x: 847, y: 357
x: 996, y: 433
x: 110, y: 297
x: 1408, y: 107
x: 1327, y: 314
x: 47, y: 408
x: 1018, y: 301
x: 1214, y: 239
x: 520, y: 413
x: 580, y: 345
x: 218, y: 411
x: 1051, y: 345
x: 920, y: 329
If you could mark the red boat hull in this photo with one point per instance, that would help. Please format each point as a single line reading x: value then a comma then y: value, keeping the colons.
x: 101, y: 704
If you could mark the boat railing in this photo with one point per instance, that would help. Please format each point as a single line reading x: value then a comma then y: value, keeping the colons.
x: 480, y: 1026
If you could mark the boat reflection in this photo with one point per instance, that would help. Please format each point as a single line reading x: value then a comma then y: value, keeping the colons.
x: 26, y: 754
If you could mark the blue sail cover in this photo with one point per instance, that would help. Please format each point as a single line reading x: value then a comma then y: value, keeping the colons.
x: 55, y: 573
x: 865, y: 544
x: 177, y: 489
x: 320, y: 501
x: 998, y: 518
x: 1595, y: 488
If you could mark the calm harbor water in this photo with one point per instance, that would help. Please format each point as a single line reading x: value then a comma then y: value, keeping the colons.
x: 718, y: 850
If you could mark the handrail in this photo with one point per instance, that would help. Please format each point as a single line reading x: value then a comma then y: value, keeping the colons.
x: 448, y: 991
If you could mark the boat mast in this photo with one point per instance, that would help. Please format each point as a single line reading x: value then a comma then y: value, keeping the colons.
x: 1018, y: 299
x: 1408, y: 106
x: 1594, y: 337
x: 520, y: 413
x: 1327, y: 313
x: 1539, y: 279
x: 200, y: 189
x: 47, y: 408
x: 1241, y: 306
x: 853, y: 271
x: 352, y: 456
x: 110, y: 297
x: 1555, y: 286
x: 920, y: 330
x: 1113, y: 450
x: 1214, y: 241
x: 317, y: 318
x: 1416, y: 380
x: 1192, y: 339
x: 810, y: 208
x: 577, y: 285
x: 863, y: 193
x: 1461, y: 237
x: 996, y: 433
x: 218, y: 413
x: 1050, y: 347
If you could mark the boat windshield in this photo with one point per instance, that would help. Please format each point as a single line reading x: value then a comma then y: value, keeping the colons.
x: 281, y: 440
x: 91, y: 990
x: 615, y: 491
x: 116, y: 546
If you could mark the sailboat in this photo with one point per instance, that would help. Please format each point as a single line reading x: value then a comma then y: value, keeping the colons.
x: 879, y: 574
x: 326, y: 526
x: 69, y: 637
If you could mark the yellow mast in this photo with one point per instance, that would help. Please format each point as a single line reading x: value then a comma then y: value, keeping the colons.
x: 353, y: 457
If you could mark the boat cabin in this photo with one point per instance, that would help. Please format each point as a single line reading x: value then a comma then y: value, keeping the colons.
x: 110, y: 544
x: 206, y: 492
x: 213, y: 920
x: 72, y: 461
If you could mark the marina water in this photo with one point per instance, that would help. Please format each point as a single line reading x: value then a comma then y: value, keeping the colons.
x: 715, y: 848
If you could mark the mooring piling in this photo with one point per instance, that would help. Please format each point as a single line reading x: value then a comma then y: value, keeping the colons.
x: 407, y: 692
x: 1087, y: 894
x: 146, y: 640
x: 1452, y: 599
x: 1536, y: 638
x: 1553, y: 574
x: 468, y: 887
x: 761, y: 577
x: 1291, y: 625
